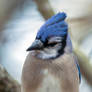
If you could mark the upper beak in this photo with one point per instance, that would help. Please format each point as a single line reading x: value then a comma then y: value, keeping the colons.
x: 36, y: 45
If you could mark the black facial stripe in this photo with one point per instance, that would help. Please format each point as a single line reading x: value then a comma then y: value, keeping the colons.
x: 63, y: 41
x: 61, y: 51
x: 52, y: 44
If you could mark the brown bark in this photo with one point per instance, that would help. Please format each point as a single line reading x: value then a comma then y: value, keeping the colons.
x: 7, y: 83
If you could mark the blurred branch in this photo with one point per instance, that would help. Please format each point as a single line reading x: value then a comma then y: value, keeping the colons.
x: 7, y: 83
x: 45, y: 8
x: 84, y: 65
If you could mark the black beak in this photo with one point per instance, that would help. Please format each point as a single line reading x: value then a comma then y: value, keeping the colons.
x: 36, y: 45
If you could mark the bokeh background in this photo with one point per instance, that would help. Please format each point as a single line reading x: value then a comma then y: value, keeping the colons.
x: 19, y: 22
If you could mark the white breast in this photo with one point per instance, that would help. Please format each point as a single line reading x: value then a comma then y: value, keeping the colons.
x: 50, y: 83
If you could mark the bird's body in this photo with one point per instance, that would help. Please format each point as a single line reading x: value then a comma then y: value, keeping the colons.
x: 51, y: 65
x: 50, y: 75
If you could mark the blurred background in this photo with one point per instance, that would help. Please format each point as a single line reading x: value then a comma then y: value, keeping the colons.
x: 19, y: 22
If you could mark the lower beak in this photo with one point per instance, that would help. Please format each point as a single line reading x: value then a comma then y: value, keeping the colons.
x: 36, y: 45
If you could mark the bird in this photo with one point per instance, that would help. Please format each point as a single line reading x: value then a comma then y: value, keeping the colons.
x: 51, y: 65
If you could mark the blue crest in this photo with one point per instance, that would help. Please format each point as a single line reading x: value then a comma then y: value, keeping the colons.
x: 55, y: 26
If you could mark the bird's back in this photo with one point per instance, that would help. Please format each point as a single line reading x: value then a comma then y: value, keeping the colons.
x: 58, y: 75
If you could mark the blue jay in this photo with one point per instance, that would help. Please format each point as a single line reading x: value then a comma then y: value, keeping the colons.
x: 51, y: 65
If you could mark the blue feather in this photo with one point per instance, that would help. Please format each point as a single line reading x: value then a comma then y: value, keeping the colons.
x: 55, y: 26
x: 79, y: 72
x: 56, y: 18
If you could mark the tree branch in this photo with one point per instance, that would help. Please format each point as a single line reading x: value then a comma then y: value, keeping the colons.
x: 7, y: 83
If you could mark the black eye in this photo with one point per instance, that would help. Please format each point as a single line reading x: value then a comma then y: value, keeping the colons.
x: 52, y: 44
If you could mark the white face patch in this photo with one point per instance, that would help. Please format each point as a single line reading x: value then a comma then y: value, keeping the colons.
x: 50, y: 52
x: 55, y: 39
x: 47, y: 54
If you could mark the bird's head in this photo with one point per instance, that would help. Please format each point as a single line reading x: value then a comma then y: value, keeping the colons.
x: 51, y: 38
